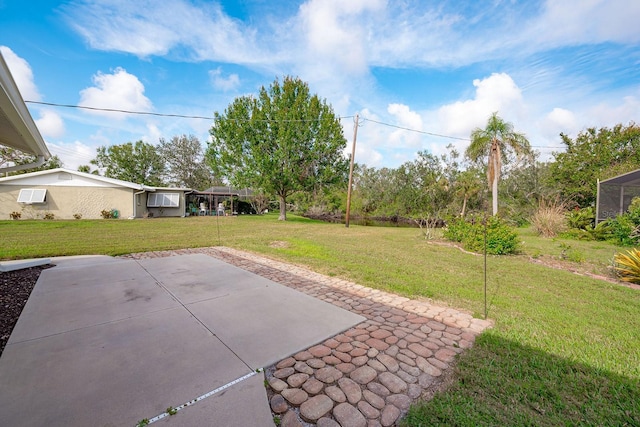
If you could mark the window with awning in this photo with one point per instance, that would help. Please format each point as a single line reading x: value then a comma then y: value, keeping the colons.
x: 32, y: 195
x: 163, y: 200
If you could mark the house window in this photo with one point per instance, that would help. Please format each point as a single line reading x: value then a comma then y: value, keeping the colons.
x: 32, y: 195
x: 163, y: 200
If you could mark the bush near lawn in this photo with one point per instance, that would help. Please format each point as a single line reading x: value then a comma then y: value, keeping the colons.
x: 501, y: 238
x: 564, y: 349
x: 623, y: 230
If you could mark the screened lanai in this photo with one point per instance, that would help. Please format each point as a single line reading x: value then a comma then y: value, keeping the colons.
x: 219, y: 201
x: 615, y: 195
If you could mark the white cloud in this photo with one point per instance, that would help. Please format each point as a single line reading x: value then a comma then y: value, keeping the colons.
x: 379, y: 145
x: 406, y: 118
x: 228, y: 83
x: 606, y: 114
x: 495, y: 93
x: 50, y: 124
x: 118, y: 91
x: 334, y: 30
x: 558, y: 120
x: 153, y: 134
x: 369, y: 157
x: 72, y: 154
x: 145, y: 27
x: 326, y: 36
x: 22, y: 74
x: 563, y: 22
x: 369, y: 141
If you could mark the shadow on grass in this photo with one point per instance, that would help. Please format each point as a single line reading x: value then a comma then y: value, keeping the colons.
x: 502, y: 383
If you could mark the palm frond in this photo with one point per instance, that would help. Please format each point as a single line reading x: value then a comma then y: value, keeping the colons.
x: 628, y: 266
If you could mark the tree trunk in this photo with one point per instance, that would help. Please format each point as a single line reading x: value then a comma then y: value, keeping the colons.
x: 496, y: 164
x: 283, y: 209
x: 494, y: 183
x: 494, y: 195
x: 464, y: 206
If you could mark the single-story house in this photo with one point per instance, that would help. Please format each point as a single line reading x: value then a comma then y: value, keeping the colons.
x: 67, y: 193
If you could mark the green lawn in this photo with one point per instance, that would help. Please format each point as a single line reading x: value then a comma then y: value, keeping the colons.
x: 565, y: 348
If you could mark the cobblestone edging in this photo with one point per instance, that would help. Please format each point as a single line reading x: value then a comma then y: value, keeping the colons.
x: 368, y: 375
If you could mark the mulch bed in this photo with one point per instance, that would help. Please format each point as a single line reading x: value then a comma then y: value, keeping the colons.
x: 15, y: 288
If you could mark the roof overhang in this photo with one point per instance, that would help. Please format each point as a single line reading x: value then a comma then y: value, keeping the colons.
x: 630, y: 179
x: 17, y: 128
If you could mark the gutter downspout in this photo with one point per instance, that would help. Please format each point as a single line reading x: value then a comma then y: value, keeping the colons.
x: 135, y: 204
x: 39, y: 162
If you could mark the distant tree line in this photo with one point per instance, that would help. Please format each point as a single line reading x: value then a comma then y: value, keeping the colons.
x: 177, y: 162
x: 286, y: 144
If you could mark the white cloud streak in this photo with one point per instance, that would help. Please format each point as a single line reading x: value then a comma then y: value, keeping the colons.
x: 225, y: 84
x: 148, y: 28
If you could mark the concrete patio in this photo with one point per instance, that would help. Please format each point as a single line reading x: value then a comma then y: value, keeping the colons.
x: 110, y: 342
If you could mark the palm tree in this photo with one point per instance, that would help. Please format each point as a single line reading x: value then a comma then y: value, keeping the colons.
x: 496, y: 141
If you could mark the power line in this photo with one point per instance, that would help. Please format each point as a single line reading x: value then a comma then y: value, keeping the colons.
x: 148, y: 113
x: 183, y: 116
x: 416, y: 130
x: 115, y: 110
x: 437, y: 134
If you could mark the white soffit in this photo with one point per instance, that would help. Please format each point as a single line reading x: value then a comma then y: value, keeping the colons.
x: 17, y: 128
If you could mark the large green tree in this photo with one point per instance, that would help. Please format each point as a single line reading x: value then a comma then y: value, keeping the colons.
x: 140, y: 163
x: 496, y: 142
x: 283, y: 141
x: 594, y: 154
x: 184, y: 160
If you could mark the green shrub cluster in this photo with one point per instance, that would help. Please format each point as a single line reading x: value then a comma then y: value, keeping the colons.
x: 581, y: 219
x: 501, y: 238
x: 623, y: 230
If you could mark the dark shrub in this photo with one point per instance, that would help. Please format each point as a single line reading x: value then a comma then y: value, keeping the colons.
x: 501, y: 238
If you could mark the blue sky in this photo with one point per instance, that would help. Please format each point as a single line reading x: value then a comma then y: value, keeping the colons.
x: 440, y: 67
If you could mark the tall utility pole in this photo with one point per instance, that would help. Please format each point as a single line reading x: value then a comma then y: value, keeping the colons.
x: 353, y: 156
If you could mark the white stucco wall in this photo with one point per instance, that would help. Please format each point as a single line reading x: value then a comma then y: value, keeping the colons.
x: 71, y: 192
x: 64, y: 202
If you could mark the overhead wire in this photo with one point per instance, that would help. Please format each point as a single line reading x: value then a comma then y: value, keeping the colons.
x: 150, y: 113
x: 116, y: 110
x: 184, y: 116
x: 415, y: 130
